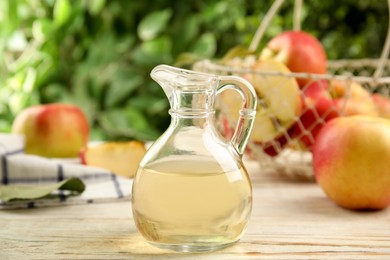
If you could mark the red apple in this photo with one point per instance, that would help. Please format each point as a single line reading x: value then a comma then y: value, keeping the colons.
x: 299, y: 51
x: 348, y: 89
x: 352, y: 98
x: 351, y: 106
x: 318, y: 109
x: 382, y: 104
x: 316, y: 90
x: 350, y: 161
x: 53, y: 130
x: 275, y: 146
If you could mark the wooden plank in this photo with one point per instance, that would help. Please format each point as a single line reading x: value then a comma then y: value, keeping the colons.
x: 290, y: 220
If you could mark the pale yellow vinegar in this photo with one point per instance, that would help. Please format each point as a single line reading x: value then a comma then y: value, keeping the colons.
x: 191, y: 205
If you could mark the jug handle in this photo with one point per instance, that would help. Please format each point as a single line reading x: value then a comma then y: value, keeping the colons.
x: 247, y: 112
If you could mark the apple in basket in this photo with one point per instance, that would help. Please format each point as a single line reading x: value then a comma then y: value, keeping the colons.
x: 350, y: 161
x: 299, y: 51
x: 382, y: 104
x: 318, y: 108
x: 352, y: 98
x: 279, y: 105
x: 122, y: 158
x: 52, y: 130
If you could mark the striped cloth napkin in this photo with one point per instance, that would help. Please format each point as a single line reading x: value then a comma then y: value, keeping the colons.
x: 18, y: 168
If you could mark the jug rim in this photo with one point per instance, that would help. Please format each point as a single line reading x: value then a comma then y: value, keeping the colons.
x: 181, y: 77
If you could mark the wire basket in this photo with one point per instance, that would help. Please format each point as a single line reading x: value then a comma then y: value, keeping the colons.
x: 287, y: 151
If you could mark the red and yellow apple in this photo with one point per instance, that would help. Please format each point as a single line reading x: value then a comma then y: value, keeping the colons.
x: 53, y: 130
x: 382, y: 104
x: 121, y: 158
x: 352, y: 98
x: 350, y: 161
x: 299, y: 51
x: 278, y: 106
x: 318, y: 108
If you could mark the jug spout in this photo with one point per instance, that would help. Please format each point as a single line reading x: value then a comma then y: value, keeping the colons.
x: 171, y: 78
x: 163, y: 75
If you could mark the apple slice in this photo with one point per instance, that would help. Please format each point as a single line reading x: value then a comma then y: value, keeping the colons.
x: 264, y: 128
x: 121, y: 158
x: 279, y: 93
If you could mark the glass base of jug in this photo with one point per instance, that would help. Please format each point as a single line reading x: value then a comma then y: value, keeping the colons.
x: 193, y: 247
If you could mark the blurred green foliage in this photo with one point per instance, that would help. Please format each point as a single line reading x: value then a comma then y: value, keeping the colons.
x: 98, y: 54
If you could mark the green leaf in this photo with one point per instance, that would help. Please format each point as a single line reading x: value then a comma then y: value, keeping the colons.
x: 28, y: 192
x: 154, y: 52
x: 11, y: 35
x: 53, y: 92
x: 185, y: 33
x: 153, y: 24
x: 95, y: 6
x: 61, y: 12
x: 129, y: 123
x: 30, y: 79
x: 205, y: 46
x: 124, y: 82
x: 42, y: 29
x: 102, y: 51
x: 11, y: 19
x: 128, y: 118
x: 152, y: 105
x: 20, y: 100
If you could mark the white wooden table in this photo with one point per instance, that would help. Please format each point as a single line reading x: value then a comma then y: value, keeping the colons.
x: 290, y: 220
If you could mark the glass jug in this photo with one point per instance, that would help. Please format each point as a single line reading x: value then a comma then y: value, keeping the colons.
x: 192, y: 192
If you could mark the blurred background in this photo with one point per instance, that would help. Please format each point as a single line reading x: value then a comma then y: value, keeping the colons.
x: 98, y: 54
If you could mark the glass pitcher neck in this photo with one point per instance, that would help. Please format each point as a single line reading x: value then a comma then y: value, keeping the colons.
x: 192, y: 102
x: 192, y: 121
